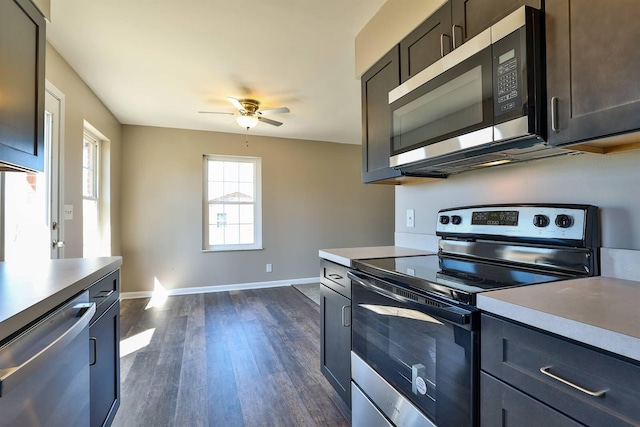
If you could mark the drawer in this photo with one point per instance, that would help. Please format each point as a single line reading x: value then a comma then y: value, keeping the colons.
x: 105, y: 292
x: 335, y: 277
x: 504, y: 406
x: 590, y: 386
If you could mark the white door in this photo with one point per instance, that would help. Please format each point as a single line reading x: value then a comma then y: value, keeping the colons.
x: 32, y: 228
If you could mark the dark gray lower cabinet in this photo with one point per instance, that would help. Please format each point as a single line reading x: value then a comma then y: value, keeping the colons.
x: 335, y: 340
x: 503, y: 405
x: 530, y: 377
x: 104, y: 344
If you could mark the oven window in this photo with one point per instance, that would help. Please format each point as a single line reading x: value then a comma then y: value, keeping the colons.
x: 426, y: 359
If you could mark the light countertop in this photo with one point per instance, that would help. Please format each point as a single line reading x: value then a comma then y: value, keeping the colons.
x: 28, y: 291
x: 344, y: 256
x: 598, y: 311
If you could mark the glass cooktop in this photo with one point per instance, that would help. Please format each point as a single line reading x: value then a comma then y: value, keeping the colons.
x: 455, y: 278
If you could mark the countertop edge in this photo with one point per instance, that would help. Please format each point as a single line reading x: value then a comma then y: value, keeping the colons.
x: 585, y: 333
x: 19, y: 320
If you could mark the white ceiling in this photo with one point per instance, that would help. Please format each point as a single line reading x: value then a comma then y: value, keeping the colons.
x: 159, y: 62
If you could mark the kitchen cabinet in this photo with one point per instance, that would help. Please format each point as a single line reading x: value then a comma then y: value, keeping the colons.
x: 104, y: 344
x: 529, y: 375
x: 447, y: 28
x: 376, y: 118
x: 335, y: 328
x: 22, y: 86
x: 593, y: 90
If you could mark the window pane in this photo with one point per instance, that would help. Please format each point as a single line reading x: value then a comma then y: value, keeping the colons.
x: 215, y: 171
x: 215, y: 190
x: 246, y: 191
x: 216, y: 236
x: 231, y: 171
x: 246, y: 234
x: 87, y: 180
x: 230, y: 191
x: 232, y: 235
x: 246, y: 214
x: 233, y: 214
x: 246, y: 172
x: 214, y: 210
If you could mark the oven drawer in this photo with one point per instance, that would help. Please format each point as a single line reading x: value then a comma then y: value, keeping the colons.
x: 335, y: 277
x: 585, y: 384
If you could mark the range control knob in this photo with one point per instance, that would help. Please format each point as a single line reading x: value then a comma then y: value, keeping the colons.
x: 444, y: 219
x: 540, y: 220
x: 564, y: 221
x: 456, y: 219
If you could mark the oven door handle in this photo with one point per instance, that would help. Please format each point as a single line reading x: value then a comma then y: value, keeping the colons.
x: 452, y: 314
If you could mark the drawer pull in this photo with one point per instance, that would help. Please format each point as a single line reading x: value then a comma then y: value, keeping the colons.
x: 104, y: 294
x: 545, y: 371
x: 336, y: 276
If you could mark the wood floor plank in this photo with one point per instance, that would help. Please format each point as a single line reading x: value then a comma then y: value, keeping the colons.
x: 241, y: 358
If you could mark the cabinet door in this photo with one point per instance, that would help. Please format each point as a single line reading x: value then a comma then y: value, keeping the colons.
x: 335, y: 341
x: 426, y: 44
x: 105, y: 369
x: 22, y: 46
x: 502, y: 405
x: 593, y: 88
x: 376, y: 118
x: 471, y: 17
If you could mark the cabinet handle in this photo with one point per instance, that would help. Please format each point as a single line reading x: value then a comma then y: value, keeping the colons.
x: 545, y: 371
x: 554, y: 114
x: 442, y: 36
x: 335, y: 276
x: 95, y: 350
x: 453, y: 32
x: 344, y: 317
x: 104, y: 294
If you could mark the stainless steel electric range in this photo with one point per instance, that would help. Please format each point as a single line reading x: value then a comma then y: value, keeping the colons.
x: 415, y: 327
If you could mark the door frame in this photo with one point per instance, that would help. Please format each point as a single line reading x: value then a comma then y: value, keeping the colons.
x: 59, y: 178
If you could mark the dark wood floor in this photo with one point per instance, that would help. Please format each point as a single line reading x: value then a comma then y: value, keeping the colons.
x: 241, y: 358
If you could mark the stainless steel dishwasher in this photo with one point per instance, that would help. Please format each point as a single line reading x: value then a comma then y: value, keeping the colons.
x: 44, y: 371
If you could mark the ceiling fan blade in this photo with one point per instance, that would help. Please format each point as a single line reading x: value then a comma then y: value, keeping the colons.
x: 216, y: 112
x: 269, y: 121
x: 237, y: 104
x: 280, y: 110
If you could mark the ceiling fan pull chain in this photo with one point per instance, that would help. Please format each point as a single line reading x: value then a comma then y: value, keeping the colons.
x: 246, y: 137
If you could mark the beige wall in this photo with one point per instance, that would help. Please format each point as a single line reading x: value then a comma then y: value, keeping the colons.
x: 608, y: 181
x: 312, y: 199
x: 82, y: 104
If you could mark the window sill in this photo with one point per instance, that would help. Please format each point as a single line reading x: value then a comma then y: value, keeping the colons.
x: 232, y: 249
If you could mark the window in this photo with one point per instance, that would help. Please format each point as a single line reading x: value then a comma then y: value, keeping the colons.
x: 90, y: 194
x: 232, y: 203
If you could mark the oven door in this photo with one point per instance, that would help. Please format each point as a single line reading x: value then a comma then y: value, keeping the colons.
x: 447, y: 107
x: 423, y: 347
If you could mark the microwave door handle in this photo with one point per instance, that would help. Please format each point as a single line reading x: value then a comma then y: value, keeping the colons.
x: 451, y: 314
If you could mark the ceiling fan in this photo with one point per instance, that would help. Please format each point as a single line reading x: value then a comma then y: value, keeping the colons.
x: 250, y: 114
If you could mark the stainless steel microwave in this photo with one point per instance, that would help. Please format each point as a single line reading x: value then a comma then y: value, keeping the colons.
x: 483, y: 102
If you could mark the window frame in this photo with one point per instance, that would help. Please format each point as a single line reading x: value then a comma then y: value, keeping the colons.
x: 257, y: 204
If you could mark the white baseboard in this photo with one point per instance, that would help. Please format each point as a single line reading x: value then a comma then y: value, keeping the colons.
x: 220, y: 288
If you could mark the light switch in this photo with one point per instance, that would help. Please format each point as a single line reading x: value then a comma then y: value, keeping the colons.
x: 410, y: 218
x: 68, y: 212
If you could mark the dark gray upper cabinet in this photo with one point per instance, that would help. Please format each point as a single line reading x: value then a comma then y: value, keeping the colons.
x: 427, y: 43
x: 593, y: 90
x: 22, y: 56
x: 376, y: 118
x: 450, y: 26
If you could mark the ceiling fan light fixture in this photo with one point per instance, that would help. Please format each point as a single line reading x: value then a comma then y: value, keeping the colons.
x: 247, y: 121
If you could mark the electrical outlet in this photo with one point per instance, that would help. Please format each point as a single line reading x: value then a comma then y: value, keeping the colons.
x: 269, y: 268
x: 411, y: 218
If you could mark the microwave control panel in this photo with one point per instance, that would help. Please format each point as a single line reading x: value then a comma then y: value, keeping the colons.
x: 508, y: 64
